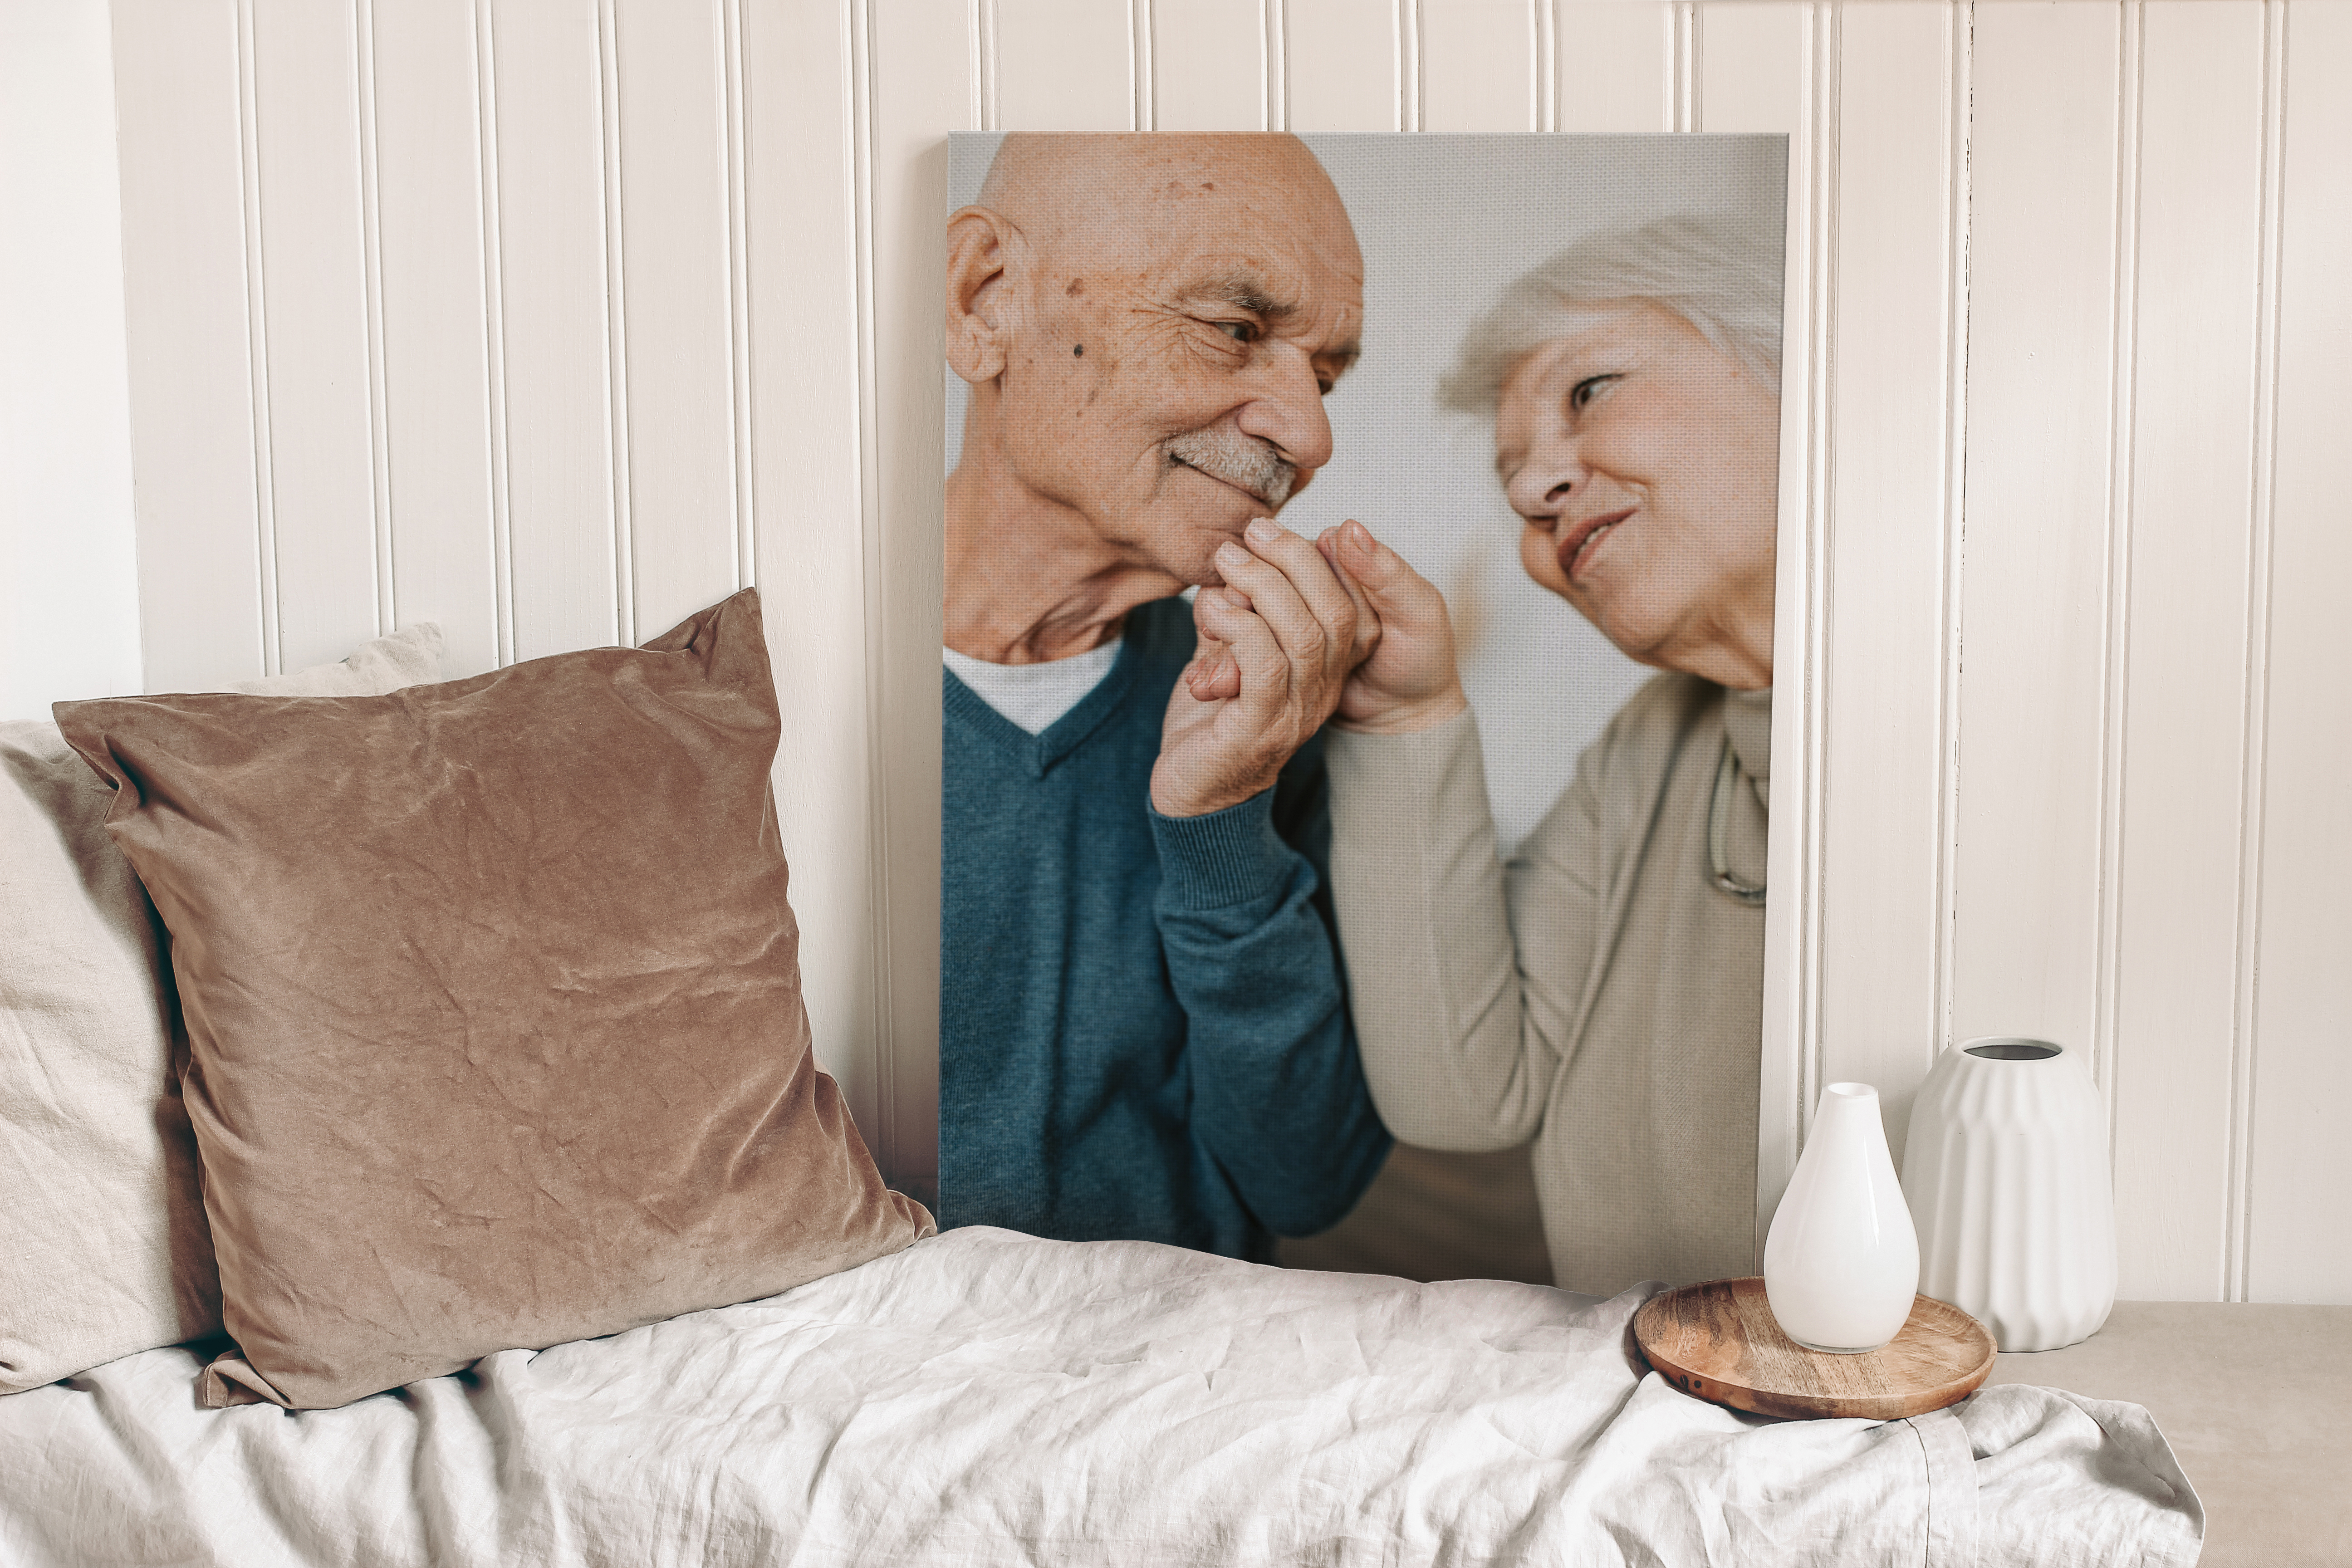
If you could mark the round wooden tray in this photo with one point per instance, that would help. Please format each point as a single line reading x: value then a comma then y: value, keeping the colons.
x: 1719, y: 1342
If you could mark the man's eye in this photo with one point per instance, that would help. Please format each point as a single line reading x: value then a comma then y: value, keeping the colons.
x: 1240, y: 332
x: 1582, y: 395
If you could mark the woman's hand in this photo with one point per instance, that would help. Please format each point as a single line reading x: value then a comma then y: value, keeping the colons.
x: 1410, y: 682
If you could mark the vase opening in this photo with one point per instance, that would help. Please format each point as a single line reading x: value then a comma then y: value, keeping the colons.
x: 2013, y: 1050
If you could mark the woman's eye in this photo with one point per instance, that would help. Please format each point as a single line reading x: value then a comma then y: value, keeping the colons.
x: 1240, y: 332
x: 1582, y: 395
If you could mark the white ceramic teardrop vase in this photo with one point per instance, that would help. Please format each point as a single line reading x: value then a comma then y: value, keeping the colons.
x: 1841, y: 1261
x: 2006, y: 1165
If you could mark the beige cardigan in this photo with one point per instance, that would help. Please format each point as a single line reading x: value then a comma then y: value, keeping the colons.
x: 1597, y: 995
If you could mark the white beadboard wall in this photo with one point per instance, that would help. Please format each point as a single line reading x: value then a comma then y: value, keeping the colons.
x: 552, y: 320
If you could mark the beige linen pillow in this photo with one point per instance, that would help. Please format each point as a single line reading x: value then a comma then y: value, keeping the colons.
x: 493, y: 1005
x: 103, y: 1249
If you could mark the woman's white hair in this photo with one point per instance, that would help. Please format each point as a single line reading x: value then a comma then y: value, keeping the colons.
x: 1720, y: 273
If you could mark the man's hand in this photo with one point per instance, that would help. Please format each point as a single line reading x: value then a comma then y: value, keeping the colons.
x: 1276, y: 646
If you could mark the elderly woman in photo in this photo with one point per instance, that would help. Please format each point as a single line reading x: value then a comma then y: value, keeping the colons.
x: 1600, y: 995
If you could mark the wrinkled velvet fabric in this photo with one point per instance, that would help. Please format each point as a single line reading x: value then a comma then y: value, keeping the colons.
x: 495, y: 1036
x: 103, y: 1249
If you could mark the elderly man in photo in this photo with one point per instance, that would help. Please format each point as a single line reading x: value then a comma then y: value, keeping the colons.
x: 1143, y: 1032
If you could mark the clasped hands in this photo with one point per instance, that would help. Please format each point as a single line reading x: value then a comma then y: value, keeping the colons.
x: 1336, y: 628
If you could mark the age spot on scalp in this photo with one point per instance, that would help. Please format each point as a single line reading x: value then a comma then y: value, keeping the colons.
x: 1077, y: 286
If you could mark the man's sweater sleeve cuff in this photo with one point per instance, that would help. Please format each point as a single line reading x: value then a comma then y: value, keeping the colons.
x: 1223, y: 857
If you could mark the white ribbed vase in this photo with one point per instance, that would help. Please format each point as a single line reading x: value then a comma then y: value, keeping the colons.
x: 1840, y: 1266
x: 2006, y: 1171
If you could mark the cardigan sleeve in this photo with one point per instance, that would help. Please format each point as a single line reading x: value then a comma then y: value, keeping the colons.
x: 1278, y: 1098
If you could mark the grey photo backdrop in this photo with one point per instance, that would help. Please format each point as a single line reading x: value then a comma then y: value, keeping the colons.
x: 1444, y: 223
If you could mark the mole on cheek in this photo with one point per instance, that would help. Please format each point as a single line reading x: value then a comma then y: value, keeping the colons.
x: 1078, y: 351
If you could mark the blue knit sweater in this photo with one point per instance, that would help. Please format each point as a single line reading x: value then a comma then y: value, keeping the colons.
x: 1142, y: 1028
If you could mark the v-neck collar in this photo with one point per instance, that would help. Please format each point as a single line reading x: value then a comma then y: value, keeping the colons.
x: 1039, y: 753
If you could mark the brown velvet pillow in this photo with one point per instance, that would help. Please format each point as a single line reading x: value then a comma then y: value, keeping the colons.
x: 493, y: 1005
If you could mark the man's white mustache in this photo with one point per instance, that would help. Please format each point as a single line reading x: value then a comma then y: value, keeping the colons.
x: 1238, y: 459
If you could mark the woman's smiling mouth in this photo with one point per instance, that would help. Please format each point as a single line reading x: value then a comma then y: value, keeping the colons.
x: 1576, y: 550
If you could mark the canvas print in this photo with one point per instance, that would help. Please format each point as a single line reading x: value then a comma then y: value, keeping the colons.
x: 1356, y: 696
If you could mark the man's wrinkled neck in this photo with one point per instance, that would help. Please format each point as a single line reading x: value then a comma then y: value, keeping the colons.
x: 1028, y: 580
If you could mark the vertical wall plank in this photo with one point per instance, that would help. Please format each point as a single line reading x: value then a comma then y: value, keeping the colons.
x: 805, y: 332
x: 675, y: 242
x: 69, y: 535
x: 1615, y: 65
x: 435, y: 338
x: 1340, y: 66
x: 1774, y: 70
x: 1478, y: 64
x: 1208, y: 65
x: 920, y: 89
x: 2300, y: 1241
x: 557, y: 375
x: 2041, y: 395
x: 1880, y: 848
x: 192, y: 433
x: 1064, y: 65
x: 2192, y: 489
x: 313, y: 285
x: 1754, y: 73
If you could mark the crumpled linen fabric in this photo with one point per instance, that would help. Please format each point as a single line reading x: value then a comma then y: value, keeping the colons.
x: 103, y: 1245
x: 984, y: 1397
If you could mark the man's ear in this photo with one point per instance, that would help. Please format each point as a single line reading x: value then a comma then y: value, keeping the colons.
x: 980, y: 245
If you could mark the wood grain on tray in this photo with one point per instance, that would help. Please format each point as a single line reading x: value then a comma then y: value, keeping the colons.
x: 1719, y: 1342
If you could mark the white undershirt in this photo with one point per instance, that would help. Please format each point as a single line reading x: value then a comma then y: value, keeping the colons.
x: 1033, y: 695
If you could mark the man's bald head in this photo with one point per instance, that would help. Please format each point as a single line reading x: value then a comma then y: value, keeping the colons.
x: 1065, y: 189
x: 1149, y: 323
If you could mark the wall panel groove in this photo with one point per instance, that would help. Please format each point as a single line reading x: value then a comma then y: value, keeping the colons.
x: 742, y: 482
x: 258, y: 351
x: 1688, y: 73
x: 494, y: 344
x: 1543, y: 26
x: 986, y: 115
x: 1139, y: 69
x: 387, y: 607
x: 1277, y: 18
x: 1408, y: 67
x: 1821, y: 40
x: 1952, y: 518
x: 611, y: 216
x: 884, y: 1043
x: 2253, y: 749
x: 2122, y: 335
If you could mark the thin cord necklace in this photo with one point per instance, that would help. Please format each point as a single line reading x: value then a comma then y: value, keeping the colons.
x: 1718, y: 820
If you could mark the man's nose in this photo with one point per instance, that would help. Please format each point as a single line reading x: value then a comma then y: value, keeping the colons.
x: 1546, y: 482
x: 1288, y: 412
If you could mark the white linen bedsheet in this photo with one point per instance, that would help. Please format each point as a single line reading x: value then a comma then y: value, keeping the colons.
x: 986, y: 1397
